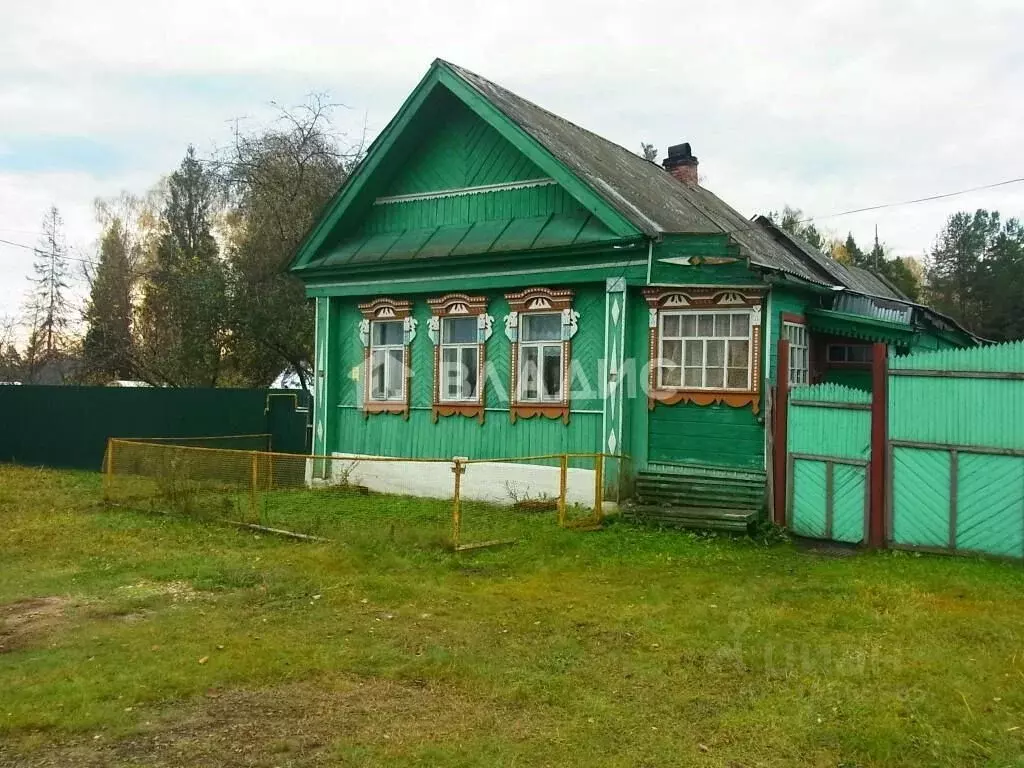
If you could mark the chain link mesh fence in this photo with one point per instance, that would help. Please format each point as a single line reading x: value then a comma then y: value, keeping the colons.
x: 461, y: 503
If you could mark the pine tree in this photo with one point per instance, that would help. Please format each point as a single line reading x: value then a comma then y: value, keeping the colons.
x: 106, y: 349
x: 956, y: 274
x: 48, y: 299
x: 184, y: 305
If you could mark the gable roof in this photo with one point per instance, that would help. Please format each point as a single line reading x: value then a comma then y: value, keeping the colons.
x: 654, y: 200
x: 631, y: 195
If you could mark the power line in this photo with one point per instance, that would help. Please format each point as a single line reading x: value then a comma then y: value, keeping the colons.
x: 928, y: 199
x: 44, y: 253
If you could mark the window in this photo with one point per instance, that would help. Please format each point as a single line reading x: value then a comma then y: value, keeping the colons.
x: 459, y: 328
x: 799, y: 360
x: 460, y: 357
x: 540, y: 324
x: 541, y: 361
x: 704, y: 350
x: 386, y: 331
x: 387, y: 360
x: 855, y: 354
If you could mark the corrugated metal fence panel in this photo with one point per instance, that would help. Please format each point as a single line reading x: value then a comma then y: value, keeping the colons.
x: 920, y: 498
x: 69, y: 426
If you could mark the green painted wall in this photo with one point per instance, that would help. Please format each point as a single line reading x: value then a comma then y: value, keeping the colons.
x: 386, y: 434
x: 782, y: 300
x: 459, y: 150
x: 675, y: 247
x: 710, y: 434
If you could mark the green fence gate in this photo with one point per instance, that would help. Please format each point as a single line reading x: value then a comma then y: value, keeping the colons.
x: 829, y: 450
x: 956, y: 451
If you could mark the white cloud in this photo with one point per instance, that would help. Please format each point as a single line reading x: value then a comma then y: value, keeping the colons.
x: 827, y: 106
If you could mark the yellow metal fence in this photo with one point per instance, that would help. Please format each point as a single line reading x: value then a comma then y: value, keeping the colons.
x: 484, y: 501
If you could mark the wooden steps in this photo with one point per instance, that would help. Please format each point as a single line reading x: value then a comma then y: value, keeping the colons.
x: 698, y: 497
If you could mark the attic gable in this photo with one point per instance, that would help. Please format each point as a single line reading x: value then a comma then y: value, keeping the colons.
x: 449, y: 159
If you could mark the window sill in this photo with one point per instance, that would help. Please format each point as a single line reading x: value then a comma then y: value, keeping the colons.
x: 731, y: 397
x: 547, y: 410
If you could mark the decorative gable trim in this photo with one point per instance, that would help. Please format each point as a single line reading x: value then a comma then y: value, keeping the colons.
x: 478, y: 190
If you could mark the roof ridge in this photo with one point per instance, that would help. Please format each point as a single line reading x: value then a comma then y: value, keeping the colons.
x: 546, y: 111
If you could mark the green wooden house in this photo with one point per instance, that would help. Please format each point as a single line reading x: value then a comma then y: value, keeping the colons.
x: 495, y: 281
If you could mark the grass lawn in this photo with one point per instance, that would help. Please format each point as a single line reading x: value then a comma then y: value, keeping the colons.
x: 134, y: 639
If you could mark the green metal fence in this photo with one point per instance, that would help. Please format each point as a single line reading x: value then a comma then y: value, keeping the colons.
x: 829, y: 448
x: 956, y: 451
x: 69, y: 426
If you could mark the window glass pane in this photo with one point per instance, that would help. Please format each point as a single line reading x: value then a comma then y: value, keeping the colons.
x: 671, y: 377
x: 450, y: 373
x: 552, y: 372
x: 469, y: 373
x: 716, y: 354
x: 714, y: 377
x: 670, y: 325
x: 741, y: 325
x: 705, y: 325
x: 739, y: 354
x: 458, y: 330
x: 721, y: 324
x: 449, y: 355
x: 528, y: 373
x: 695, y: 353
x: 836, y: 353
x: 377, y: 388
x: 737, y: 378
x: 689, y: 325
x: 859, y: 354
x: 387, y: 333
x: 692, y: 377
x: 547, y: 327
x: 395, y: 374
x: 672, y: 352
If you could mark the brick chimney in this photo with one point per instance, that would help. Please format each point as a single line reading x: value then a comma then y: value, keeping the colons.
x: 681, y: 163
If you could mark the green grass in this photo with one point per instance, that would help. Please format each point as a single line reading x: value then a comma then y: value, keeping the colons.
x: 625, y: 647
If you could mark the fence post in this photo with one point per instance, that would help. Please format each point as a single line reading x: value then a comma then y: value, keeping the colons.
x: 598, y: 486
x: 457, y: 505
x: 563, y: 481
x: 254, y: 484
x: 108, y: 470
x: 780, y: 443
x: 879, y: 438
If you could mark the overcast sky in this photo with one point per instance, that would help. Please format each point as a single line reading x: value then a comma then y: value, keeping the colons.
x: 828, y: 106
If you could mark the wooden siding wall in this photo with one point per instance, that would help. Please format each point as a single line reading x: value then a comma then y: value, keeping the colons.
x: 467, y: 209
x: 693, y: 434
x: 392, y: 435
x: 460, y: 150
